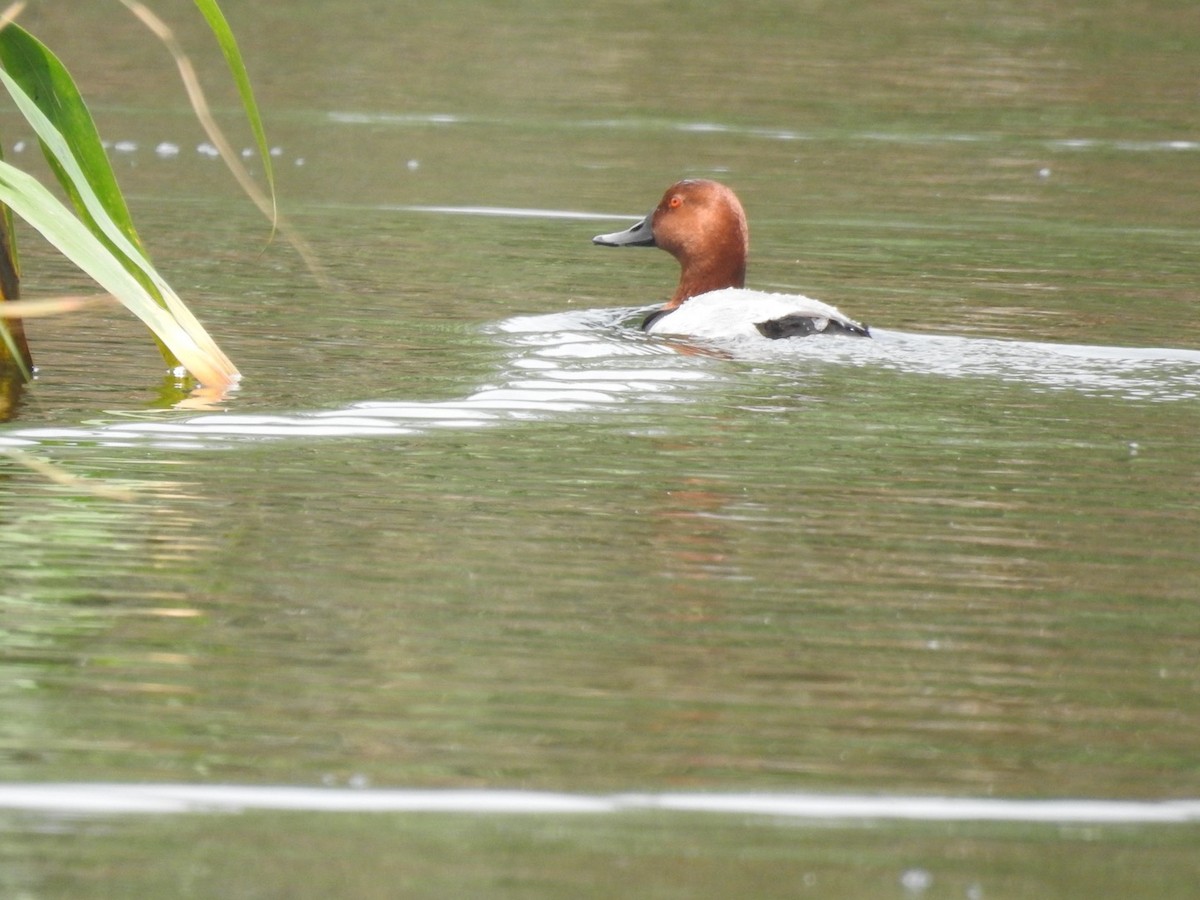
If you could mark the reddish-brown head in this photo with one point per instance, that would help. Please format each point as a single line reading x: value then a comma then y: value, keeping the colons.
x: 702, y: 224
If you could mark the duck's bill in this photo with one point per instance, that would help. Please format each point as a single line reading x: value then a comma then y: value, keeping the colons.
x: 640, y: 235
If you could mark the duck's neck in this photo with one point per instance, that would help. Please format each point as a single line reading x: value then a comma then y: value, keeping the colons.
x: 696, y: 279
x: 714, y: 257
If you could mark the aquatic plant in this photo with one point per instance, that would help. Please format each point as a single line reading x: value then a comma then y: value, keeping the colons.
x: 96, y: 232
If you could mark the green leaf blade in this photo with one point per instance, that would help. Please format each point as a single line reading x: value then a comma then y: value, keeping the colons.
x: 46, y: 95
x: 46, y: 81
x: 30, y: 200
x: 233, y: 57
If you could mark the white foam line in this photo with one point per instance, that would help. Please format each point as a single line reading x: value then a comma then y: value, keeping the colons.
x: 513, y: 211
x: 189, y: 798
x: 352, y: 118
x: 934, y: 809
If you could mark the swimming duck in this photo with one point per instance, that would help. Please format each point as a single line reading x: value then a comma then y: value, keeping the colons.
x: 702, y: 224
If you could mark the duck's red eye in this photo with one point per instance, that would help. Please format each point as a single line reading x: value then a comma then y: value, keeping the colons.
x: 675, y: 202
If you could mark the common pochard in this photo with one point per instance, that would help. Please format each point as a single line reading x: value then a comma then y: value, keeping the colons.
x: 702, y: 224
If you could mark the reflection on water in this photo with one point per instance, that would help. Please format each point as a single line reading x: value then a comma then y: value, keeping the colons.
x: 557, y: 364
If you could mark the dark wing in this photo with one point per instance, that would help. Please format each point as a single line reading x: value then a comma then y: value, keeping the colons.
x: 800, y: 325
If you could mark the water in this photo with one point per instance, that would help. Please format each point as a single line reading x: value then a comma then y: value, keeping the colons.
x: 464, y: 529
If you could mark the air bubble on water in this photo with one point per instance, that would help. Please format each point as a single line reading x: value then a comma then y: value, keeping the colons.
x: 916, y: 881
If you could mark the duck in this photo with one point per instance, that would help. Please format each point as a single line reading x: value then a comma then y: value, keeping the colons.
x: 703, y: 225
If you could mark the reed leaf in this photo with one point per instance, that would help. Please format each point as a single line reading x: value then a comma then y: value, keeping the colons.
x: 30, y: 200
x: 12, y: 333
x: 51, y: 306
x: 47, y: 97
x: 266, y: 202
x: 237, y: 68
x: 45, y: 83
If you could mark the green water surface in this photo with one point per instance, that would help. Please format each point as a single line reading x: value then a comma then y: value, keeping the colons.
x: 797, y: 576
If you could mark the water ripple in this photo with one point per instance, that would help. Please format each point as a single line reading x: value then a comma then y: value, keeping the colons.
x: 92, y: 798
x: 591, y: 360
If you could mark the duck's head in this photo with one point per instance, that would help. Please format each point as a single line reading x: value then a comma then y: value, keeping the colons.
x: 702, y: 224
